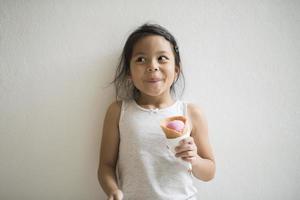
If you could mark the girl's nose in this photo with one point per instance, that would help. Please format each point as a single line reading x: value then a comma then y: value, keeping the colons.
x: 153, y: 67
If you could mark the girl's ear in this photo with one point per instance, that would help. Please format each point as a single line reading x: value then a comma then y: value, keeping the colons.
x: 177, y: 71
x: 128, y: 77
x: 128, y: 73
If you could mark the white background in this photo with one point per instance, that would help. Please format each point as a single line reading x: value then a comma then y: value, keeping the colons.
x: 242, y: 66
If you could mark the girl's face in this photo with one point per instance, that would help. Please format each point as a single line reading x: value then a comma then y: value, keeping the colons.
x: 152, y: 66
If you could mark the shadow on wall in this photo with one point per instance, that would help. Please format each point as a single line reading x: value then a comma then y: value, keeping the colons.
x: 107, y: 66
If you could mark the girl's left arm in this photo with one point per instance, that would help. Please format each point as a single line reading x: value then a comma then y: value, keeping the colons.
x: 203, y: 164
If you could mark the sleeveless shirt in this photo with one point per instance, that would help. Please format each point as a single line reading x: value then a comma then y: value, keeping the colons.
x: 146, y: 168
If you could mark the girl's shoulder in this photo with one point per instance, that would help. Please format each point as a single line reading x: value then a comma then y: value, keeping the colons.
x: 114, y: 106
x: 114, y: 109
x: 196, y: 115
x: 194, y: 110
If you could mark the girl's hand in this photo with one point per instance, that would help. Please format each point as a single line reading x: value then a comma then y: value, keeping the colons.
x: 116, y: 195
x: 187, y: 150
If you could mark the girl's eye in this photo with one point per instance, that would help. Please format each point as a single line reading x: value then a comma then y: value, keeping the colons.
x: 140, y: 59
x: 163, y: 58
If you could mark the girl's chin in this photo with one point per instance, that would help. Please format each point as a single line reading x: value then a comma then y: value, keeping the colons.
x: 153, y: 93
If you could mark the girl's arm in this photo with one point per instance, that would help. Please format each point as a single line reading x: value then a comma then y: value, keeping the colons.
x: 196, y: 149
x: 109, y: 150
x: 203, y: 165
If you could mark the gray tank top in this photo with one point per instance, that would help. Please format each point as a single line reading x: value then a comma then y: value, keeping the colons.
x: 146, y: 169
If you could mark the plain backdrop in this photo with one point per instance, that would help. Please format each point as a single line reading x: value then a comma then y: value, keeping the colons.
x: 242, y: 66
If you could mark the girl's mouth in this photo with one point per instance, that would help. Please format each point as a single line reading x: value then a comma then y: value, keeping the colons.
x: 156, y: 80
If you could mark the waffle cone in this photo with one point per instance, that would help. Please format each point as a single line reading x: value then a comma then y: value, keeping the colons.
x: 170, y: 133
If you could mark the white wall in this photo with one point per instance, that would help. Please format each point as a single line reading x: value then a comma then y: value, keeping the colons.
x: 241, y: 61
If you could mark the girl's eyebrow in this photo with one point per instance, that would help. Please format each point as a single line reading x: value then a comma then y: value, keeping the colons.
x: 139, y: 53
x: 142, y: 53
x: 159, y: 52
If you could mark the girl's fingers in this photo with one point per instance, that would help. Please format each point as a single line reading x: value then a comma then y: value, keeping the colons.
x: 188, y: 159
x: 185, y: 147
x: 186, y: 154
x: 117, y: 195
x: 182, y: 148
x: 188, y: 140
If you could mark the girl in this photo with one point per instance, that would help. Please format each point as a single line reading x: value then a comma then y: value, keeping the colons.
x: 135, y: 163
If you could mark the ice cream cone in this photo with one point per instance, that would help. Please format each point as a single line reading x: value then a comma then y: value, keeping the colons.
x: 171, y: 133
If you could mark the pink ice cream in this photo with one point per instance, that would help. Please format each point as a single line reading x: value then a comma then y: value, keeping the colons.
x: 176, y: 125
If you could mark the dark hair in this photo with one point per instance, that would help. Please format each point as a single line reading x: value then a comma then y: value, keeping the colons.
x: 125, y: 88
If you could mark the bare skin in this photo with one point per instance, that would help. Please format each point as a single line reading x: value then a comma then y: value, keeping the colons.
x: 109, y: 153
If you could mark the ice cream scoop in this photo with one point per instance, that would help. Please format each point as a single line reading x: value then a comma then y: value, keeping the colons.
x: 176, y: 125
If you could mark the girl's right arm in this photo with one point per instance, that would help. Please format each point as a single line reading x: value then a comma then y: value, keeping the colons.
x: 109, y: 152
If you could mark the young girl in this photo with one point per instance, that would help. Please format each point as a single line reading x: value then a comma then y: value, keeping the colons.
x: 135, y: 163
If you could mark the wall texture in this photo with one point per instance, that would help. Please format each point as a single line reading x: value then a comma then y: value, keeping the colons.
x: 242, y: 66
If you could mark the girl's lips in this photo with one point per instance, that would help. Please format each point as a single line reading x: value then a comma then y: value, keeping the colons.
x: 153, y: 80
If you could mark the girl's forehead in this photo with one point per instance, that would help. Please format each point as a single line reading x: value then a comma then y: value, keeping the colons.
x: 152, y: 43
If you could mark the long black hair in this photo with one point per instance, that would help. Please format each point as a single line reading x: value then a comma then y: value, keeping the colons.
x: 125, y: 88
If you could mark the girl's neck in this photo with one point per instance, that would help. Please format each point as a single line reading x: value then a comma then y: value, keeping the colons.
x: 150, y: 102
